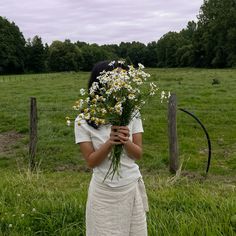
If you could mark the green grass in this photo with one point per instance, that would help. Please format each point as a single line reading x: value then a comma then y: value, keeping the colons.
x: 187, y: 205
x: 54, y: 204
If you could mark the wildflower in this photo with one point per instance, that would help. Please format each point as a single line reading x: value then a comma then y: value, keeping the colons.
x: 102, y: 121
x: 79, y: 103
x: 141, y: 66
x: 22, y: 215
x: 131, y: 96
x: 87, y: 116
x: 10, y: 225
x: 68, y: 122
x: 104, y: 111
x: 153, y: 85
x: 121, y: 62
x: 94, y: 100
x: 86, y: 110
x: 118, y: 108
x: 81, y: 116
x: 162, y: 96
x: 111, y: 63
x: 82, y: 92
x: 97, y: 121
x: 108, y: 92
x: 33, y: 209
x: 18, y: 195
x: 93, y: 88
x: 102, y: 99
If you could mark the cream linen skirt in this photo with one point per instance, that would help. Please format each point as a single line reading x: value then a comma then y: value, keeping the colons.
x: 119, y: 211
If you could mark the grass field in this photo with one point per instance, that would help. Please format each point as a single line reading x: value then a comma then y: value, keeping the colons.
x: 52, y: 202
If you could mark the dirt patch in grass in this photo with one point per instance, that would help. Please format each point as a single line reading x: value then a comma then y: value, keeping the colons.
x: 8, y: 140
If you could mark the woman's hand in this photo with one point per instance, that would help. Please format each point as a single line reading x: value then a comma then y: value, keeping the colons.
x: 123, y: 134
x: 119, y: 135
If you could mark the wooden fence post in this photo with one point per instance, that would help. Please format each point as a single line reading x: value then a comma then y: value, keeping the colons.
x: 172, y: 130
x: 33, y: 133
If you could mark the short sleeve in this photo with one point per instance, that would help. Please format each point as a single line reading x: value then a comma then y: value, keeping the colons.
x: 137, y: 126
x: 81, y: 132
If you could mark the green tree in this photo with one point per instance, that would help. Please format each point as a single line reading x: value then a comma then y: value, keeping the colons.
x: 231, y: 47
x: 12, y: 48
x: 35, y: 55
x: 112, y: 50
x: 167, y: 48
x: 216, y: 29
x: 91, y: 54
x: 151, y: 55
x: 46, y: 54
x: 137, y: 52
x: 185, y: 51
x: 64, y: 56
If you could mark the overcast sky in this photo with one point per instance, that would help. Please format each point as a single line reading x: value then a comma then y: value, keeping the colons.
x: 99, y: 21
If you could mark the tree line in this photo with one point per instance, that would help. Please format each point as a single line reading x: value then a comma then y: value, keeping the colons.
x: 209, y: 42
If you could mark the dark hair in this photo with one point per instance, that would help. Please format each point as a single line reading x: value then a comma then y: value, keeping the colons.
x: 101, y: 66
x: 97, y: 69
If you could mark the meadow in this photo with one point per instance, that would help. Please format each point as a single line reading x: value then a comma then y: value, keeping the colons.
x: 52, y: 200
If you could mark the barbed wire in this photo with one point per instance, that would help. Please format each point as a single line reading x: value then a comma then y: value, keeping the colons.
x: 144, y: 109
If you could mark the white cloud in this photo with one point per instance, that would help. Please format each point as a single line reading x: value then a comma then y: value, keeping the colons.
x: 100, y: 21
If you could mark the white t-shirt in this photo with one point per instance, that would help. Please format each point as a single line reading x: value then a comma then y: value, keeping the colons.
x: 128, y: 170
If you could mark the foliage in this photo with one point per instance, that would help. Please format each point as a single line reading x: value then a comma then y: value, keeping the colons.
x: 216, y: 31
x: 54, y: 204
x: 12, y: 48
x: 35, y: 55
x: 64, y: 56
x: 208, y: 42
x: 52, y: 201
x: 92, y: 54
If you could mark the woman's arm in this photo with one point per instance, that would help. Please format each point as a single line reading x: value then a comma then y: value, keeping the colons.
x: 118, y: 135
x: 94, y: 158
x: 133, y: 148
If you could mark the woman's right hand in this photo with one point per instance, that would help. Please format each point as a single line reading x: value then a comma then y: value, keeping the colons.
x: 114, y: 135
x: 119, y: 135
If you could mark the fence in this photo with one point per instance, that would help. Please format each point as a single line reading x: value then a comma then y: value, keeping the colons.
x: 173, y: 134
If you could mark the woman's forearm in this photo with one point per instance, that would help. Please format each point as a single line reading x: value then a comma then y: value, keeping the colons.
x: 96, y: 157
x: 133, y: 150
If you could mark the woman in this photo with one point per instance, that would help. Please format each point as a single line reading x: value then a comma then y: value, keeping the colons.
x: 118, y: 206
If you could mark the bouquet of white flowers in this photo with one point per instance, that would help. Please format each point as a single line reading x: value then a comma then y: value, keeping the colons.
x: 115, y: 99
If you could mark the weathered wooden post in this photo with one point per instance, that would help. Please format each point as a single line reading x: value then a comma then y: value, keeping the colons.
x: 172, y: 129
x: 33, y: 133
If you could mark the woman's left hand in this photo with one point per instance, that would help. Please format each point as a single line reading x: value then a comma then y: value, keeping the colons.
x: 123, y: 134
